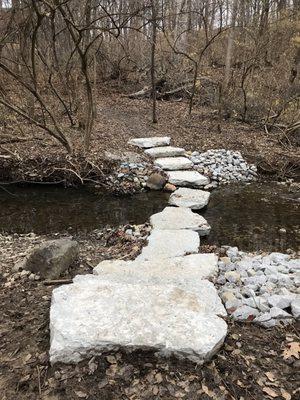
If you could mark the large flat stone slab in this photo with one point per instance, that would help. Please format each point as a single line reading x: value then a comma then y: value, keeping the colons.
x: 165, y: 151
x: 173, y: 163
x: 194, y: 199
x: 92, y: 316
x: 146, y: 143
x: 180, y: 218
x: 187, y: 178
x: 170, y: 243
x: 186, y: 270
x: 183, y: 275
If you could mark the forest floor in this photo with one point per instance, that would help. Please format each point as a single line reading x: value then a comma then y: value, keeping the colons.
x: 36, y: 157
x: 254, y: 363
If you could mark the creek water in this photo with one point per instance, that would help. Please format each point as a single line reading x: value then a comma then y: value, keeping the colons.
x: 252, y: 217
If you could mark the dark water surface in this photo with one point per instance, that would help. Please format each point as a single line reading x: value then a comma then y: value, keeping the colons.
x: 248, y: 216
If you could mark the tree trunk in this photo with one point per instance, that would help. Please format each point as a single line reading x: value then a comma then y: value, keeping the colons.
x: 153, y: 50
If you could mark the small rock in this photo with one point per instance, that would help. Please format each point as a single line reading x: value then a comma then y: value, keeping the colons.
x: 295, y: 306
x: 156, y: 181
x: 278, y: 313
x: 169, y: 187
x: 245, y: 313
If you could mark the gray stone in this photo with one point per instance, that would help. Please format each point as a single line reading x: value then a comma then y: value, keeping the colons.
x: 265, y: 320
x: 295, y: 307
x: 187, y: 178
x: 255, y: 280
x: 245, y: 313
x: 189, y: 198
x: 232, y: 276
x: 146, y: 143
x: 170, y: 243
x: 280, y: 300
x: 173, y: 218
x: 173, y: 163
x: 165, y: 151
x: 92, y: 315
x: 278, y: 313
x: 51, y: 258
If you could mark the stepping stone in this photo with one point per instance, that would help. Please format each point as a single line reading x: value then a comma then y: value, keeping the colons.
x: 152, y: 273
x: 146, y: 143
x: 189, y: 198
x: 187, y: 178
x: 166, y: 151
x: 173, y: 163
x: 170, y: 243
x: 188, y: 271
x: 92, y: 316
x: 180, y: 218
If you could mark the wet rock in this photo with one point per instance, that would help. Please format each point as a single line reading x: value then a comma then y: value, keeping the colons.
x: 50, y: 259
x: 156, y: 181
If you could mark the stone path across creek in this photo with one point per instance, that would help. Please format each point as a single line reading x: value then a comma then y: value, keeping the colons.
x: 162, y: 300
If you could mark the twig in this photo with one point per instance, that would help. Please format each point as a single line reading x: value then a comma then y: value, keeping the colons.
x: 57, y: 282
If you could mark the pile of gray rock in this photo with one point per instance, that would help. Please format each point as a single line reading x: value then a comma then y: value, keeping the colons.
x: 224, y: 166
x: 261, y: 288
x: 195, y: 170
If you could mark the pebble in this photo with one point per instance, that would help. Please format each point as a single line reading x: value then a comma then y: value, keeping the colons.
x: 266, y: 283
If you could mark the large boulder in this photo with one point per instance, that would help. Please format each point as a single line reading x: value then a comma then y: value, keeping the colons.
x: 94, y: 315
x: 173, y: 163
x: 180, y: 218
x: 51, y: 258
x: 146, y: 143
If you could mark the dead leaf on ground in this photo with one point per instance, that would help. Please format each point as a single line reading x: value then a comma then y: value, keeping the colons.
x: 270, y: 376
x: 270, y: 392
x: 292, y: 350
x: 285, y: 394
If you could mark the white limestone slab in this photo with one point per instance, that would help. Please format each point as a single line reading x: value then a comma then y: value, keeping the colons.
x: 180, y: 218
x: 173, y: 163
x: 166, y: 151
x: 187, y: 178
x: 170, y: 243
x: 186, y: 270
x: 189, y: 198
x: 92, y: 315
x: 146, y: 143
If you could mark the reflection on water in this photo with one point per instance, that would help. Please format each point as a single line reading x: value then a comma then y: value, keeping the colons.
x: 252, y: 217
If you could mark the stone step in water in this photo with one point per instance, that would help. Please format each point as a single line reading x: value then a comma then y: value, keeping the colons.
x: 187, y: 178
x: 146, y: 143
x: 173, y: 163
x: 180, y: 218
x: 93, y: 315
x: 170, y: 243
x: 188, y: 271
x: 194, y: 199
x: 166, y: 151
